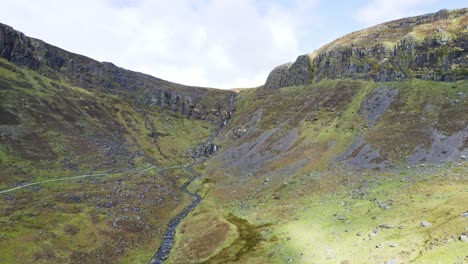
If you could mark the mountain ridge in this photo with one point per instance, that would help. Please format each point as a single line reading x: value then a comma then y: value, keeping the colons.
x: 88, y: 73
x: 397, y: 50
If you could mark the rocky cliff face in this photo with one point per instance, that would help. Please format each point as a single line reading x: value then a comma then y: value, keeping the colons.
x: 78, y: 70
x: 297, y: 73
x: 429, y: 47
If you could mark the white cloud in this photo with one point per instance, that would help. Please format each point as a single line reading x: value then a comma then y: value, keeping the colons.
x: 379, y: 11
x: 220, y: 43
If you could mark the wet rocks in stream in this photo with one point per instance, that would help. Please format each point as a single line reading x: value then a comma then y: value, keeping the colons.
x: 168, y: 239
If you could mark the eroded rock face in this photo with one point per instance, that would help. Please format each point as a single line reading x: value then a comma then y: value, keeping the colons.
x: 395, y: 51
x: 363, y: 156
x: 443, y: 149
x: 277, y: 77
x: 377, y: 103
x: 428, y: 60
x: 12, y: 45
x: 297, y: 73
x: 88, y: 73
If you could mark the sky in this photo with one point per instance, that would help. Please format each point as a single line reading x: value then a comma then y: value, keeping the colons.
x: 211, y: 43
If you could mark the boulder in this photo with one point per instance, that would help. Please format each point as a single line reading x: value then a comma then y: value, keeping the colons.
x: 426, y: 224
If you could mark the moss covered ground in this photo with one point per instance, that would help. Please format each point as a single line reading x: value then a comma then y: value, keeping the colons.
x: 338, y: 217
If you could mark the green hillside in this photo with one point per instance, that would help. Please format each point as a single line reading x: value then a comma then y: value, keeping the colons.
x: 355, y: 153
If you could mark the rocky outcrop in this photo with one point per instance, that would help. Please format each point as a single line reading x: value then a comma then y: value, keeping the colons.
x: 428, y: 47
x: 298, y: 73
x: 197, y: 102
x: 433, y: 59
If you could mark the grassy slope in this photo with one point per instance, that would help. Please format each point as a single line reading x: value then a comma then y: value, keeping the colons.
x: 298, y: 220
x: 294, y: 213
x: 46, y: 121
x: 50, y: 129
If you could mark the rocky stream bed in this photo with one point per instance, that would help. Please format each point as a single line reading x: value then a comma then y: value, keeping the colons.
x: 168, y: 239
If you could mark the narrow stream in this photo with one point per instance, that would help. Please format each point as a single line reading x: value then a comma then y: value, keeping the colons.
x: 169, y: 236
x: 168, y: 239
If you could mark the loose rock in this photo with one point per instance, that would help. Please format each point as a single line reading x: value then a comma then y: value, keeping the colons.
x: 464, y: 238
x: 426, y: 224
x: 385, y: 226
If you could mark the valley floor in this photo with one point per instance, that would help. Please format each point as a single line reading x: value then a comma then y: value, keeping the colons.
x: 414, y: 215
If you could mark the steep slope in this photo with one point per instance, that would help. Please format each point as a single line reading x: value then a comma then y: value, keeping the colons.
x: 341, y: 156
x: 347, y: 118
x: 48, y: 125
x: 359, y: 124
x: 75, y: 110
x: 63, y: 115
